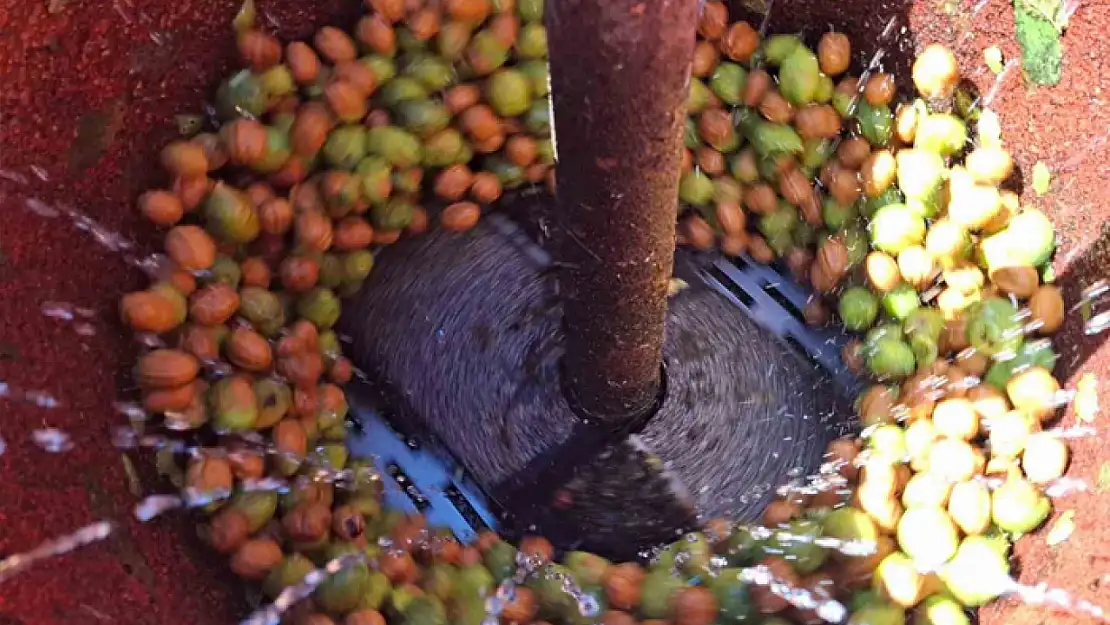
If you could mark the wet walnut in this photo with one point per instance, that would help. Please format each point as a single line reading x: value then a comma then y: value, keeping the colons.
x: 347, y: 523
x: 364, y: 617
x: 816, y: 312
x: 522, y: 608
x: 249, y: 350
x: 537, y: 547
x: 191, y: 248
x: 879, y: 89
x: 617, y: 617
x: 780, y: 512
x: 622, y: 584
x: 834, y: 53
x: 852, y: 356
x: 228, y: 531
x: 1047, y: 309
x: 398, y: 566
x: 766, y: 601
x: 713, y: 21
x: 694, y: 605
x: 740, y: 42
x: 308, y: 522
x: 166, y: 368
x: 1019, y: 281
x: 256, y: 558
x: 799, y: 260
x: 832, y: 264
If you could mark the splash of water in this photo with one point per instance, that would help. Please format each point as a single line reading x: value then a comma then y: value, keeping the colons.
x: 42, y: 399
x: 290, y: 596
x: 109, y: 239
x: 1043, y: 595
x: 1093, y: 323
x: 128, y: 438
x: 1007, y: 69
x: 505, y: 593
x: 825, y: 607
x: 530, y: 566
x: 873, y: 64
x: 52, y: 440
x: 77, y: 316
x: 20, y: 562
x: 854, y: 548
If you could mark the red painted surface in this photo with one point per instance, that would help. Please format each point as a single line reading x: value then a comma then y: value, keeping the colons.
x: 89, y: 94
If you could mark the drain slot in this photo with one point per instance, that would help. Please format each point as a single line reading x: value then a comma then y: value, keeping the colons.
x: 465, y: 510
x: 731, y: 285
x: 407, y: 486
x: 781, y: 299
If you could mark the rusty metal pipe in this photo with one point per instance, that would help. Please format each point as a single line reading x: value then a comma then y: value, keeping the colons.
x: 619, y: 76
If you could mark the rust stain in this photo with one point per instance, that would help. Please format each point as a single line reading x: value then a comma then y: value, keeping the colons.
x: 121, y: 542
x: 95, y: 133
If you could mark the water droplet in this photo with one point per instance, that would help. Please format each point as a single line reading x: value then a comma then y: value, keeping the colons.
x: 52, y: 440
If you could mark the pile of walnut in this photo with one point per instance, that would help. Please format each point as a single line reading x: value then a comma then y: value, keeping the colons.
x: 427, y: 112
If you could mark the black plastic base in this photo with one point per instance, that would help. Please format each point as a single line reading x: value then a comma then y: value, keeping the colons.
x: 461, y: 333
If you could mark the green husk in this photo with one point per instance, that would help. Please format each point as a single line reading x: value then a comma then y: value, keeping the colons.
x: 1038, y: 25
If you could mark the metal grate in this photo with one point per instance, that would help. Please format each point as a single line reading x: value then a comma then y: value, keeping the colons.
x: 422, y: 477
x: 774, y: 301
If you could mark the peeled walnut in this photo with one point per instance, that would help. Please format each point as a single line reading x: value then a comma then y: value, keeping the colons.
x: 522, y: 608
x: 347, y: 523
x: 767, y: 601
x: 882, y: 271
x: 713, y: 20
x: 834, y: 53
x: 954, y: 336
x: 780, y: 512
x: 818, y: 121
x: 1020, y: 281
x: 795, y: 187
x: 206, y: 474
x: 228, y: 531
x: 249, y: 350
x: 740, y: 42
x: 759, y: 81
x: 967, y: 278
x: 879, y: 89
x: 775, y: 108
x: 905, y: 122
x: 832, y: 263
x: 761, y: 199
x: 844, y: 185
x: 1047, y: 308
x: 256, y: 558
x: 699, y: 234
x: 816, y: 312
x: 916, y: 266
x: 308, y: 522
x: 694, y: 605
x: 799, y: 260
x: 166, y: 368
x: 622, y: 583
x: 878, y: 172
x: 759, y: 250
x: 853, y: 152
x: 876, y: 405
x: 852, y: 356
x: 821, y: 280
x: 974, y: 362
x: 715, y: 126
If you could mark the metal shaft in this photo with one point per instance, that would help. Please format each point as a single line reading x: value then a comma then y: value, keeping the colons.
x: 620, y: 77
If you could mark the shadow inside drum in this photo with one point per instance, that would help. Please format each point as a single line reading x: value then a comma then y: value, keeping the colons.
x: 462, y: 334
